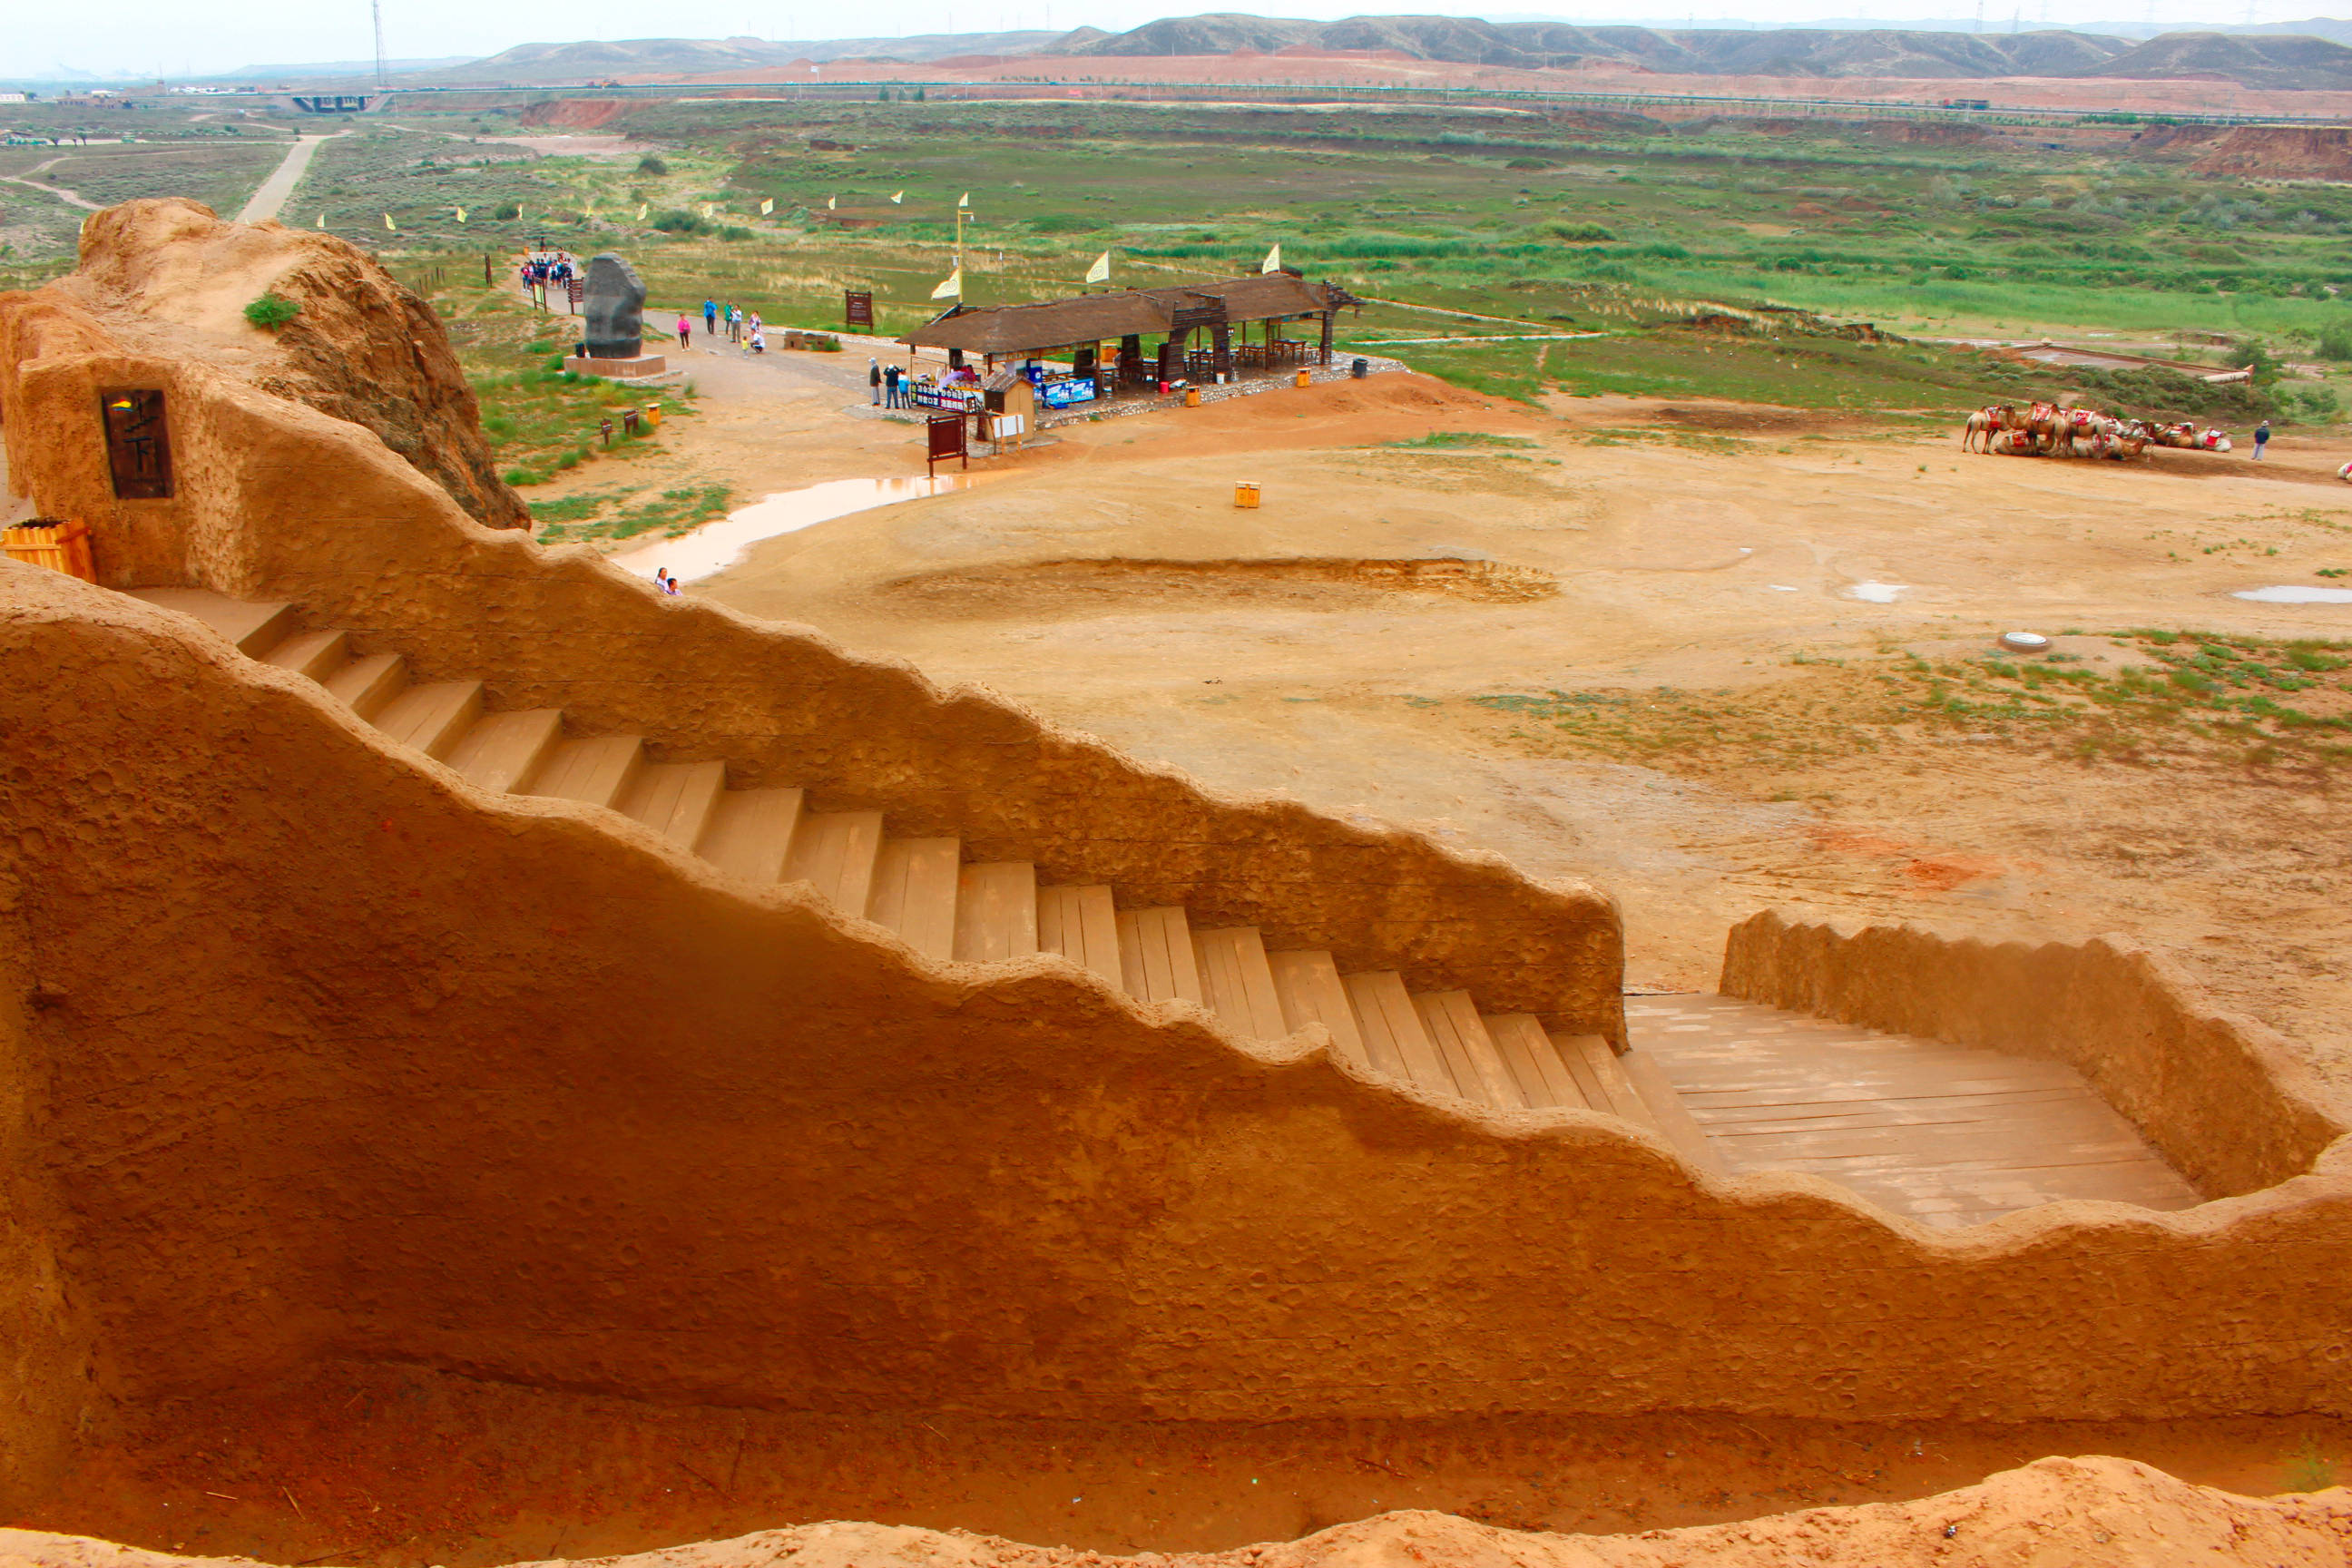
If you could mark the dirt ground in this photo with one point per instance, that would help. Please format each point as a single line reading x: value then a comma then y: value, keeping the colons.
x: 1328, y: 644
x: 399, y: 1468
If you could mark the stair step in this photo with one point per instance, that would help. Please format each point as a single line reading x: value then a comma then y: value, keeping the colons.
x: 432, y: 718
x: 254, y: 629
x: 503, y: 750
x: 751, y: 833
x: 1237, y: 983
x: 675, y: 799
x: 1452, y: 1020
x: 996, y: 912
x: 1395, y: 1036
x: 314, y: 654
x: 368, y: 684
x: 1594, y: 1054
x: 1082, y: 925
x: 594, y: 771
x: 835, y: 850
x: 914, y: 892
x: 1156, y: 961
x: 1671, y: 1116
x: 1544, y: 1080
x: 1308, y: 986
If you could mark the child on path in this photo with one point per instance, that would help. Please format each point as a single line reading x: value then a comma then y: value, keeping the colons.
x: 684, y: 329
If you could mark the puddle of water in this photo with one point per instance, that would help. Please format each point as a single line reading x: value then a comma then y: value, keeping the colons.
x: 2293, y: 593
x: 1879, y: 592
x: 715, y: 546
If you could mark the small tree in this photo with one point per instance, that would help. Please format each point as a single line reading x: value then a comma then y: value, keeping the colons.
x: 271, y: 312
x: 652, y: 164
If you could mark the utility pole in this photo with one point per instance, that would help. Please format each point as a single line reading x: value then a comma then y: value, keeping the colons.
x: 383, y: 77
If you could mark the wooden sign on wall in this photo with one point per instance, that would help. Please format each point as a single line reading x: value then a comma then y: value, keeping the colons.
x: 138, y: 444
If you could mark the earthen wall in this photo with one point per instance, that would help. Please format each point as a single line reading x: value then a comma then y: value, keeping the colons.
x: 367, y: 1063
x: 279, y: 501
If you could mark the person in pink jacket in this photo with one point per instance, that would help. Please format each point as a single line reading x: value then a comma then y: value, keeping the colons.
x: 684, y: 329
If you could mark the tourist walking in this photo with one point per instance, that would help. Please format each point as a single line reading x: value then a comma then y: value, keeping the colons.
x: 874, y: 380
x: 711, y: 317
x: 685, y: 330
x: 2262, y: 438
x: 735, y: 324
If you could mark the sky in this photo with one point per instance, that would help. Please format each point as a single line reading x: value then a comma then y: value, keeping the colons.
x: 175, y: 38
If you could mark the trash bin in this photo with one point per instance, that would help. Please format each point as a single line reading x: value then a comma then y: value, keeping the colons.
x: 1303, y: 378
x: 1360, y: 369
x: 1245, y: 495
x: 653, y: 415
x: 1192, y: 397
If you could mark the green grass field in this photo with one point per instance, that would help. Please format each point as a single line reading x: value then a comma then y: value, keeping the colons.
x: 1611, y: 225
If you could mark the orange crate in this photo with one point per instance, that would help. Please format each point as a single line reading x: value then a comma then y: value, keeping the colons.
x: 59, y: 546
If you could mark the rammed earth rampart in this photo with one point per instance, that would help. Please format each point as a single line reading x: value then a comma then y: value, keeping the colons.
x: 310, y: 1049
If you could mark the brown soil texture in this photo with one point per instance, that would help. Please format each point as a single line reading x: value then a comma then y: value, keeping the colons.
x: 2095, y: 1512
x: 2280, y: 151
x: 1060, y: 588
x: 172, y: 275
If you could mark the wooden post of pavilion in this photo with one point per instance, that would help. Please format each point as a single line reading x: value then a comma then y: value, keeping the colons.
x: 1327, y: 314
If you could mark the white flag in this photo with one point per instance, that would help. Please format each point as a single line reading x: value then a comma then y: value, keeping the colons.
x: 706, y: 209
x: 899, y: 200
x: 1273, y: 262
x: 389, y: 224
x: 964, y: 200
x: 322, y: 220
x: 1100, y: 271
x: 952, y: 288
x: 831, y: 203
x: 767, y: 207
x: 641, y: 211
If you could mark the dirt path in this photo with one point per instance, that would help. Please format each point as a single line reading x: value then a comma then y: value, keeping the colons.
x: 27, y: 180
x: 270, y: 199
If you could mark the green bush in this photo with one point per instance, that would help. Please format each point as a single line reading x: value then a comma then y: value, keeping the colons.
x: 2336, y: 344
x: 1590, y: 232
x: 507, y: 211
x: 734, y: 231
x: 676, y: 222
x: 652, y: 164
x: 271, y: 312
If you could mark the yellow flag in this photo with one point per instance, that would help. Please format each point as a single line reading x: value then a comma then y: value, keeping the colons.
x: 831, y: 203
x: 1273, y: 262
x: 767, y: 207
x: 706, y: 209
x: 322, y: 220
x: 389, y: 224
x: 1100, y: 271
x: 899, y: 200
x: 641, y: 212
x: 952, y: 288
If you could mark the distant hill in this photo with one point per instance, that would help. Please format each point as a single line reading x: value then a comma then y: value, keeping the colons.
x: 2251, y: 59
x: 596, y: 59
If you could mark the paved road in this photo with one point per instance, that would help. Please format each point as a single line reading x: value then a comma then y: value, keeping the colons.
x: 274, y: 191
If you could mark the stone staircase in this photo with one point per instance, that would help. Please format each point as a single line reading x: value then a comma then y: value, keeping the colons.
x: 949, y: 909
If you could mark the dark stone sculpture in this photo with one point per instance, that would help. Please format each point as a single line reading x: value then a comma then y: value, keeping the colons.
x: 615, y: 310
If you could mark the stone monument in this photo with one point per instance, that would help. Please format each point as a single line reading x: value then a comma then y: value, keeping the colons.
x: 615, y: 323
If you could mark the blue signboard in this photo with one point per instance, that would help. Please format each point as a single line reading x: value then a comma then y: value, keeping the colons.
x: 1062, y: 393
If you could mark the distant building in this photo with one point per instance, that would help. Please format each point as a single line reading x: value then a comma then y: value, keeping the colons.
x: 16, y: 96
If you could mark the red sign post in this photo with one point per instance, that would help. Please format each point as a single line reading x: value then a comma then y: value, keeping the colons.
x: 857, y: 307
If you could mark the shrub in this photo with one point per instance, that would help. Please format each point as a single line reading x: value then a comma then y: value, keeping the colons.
x: 2336, y: 344
x: 676, y: 222
x: 271, y: 312
x: 824, y: 345
x: 652, y: 164
x: 1530, y: 164
x: 734, y: 231
x: 520, y: 477
x: 1590, y: 232
x: 507, y: 211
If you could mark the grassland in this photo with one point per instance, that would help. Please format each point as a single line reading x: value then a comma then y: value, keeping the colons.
x: 1554, y: 253
x: 2200, y: 697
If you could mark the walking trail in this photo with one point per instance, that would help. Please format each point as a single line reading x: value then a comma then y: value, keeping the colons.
x: 27, y: 180
x: 267, y: 201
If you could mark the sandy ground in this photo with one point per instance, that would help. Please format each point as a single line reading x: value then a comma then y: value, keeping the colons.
x: 1702, y: 547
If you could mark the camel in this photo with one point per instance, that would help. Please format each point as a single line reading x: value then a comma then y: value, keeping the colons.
x: 1984, y: 423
